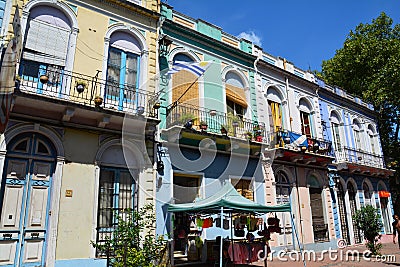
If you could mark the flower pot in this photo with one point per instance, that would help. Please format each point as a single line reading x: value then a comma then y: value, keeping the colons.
x: 223, y: 131
x: 157, y: 105
x: 203, y: 127
x: 44, y: 78
x: 259, y: 138
x: 80, y: 87
x: 98, y: 100
x: 140, y: 110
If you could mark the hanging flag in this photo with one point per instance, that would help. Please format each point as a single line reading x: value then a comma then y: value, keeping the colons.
x: 7, y: 82
x: 17, y: 32
x: 197, y: 68
x: 298, y: 139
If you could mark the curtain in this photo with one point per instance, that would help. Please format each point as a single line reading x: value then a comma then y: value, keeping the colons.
x: 276, y: 114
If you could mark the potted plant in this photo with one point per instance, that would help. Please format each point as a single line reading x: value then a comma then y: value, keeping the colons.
x: 185, y: 117
x: 157, y: 105
x: 249, y: 135
x: 80, y: 85
x: 203, y: 125
x: 98, y: 100
x: 44, y: 78
x: 234, y: 120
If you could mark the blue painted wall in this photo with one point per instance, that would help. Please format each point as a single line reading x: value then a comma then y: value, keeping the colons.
x: 217, y: 171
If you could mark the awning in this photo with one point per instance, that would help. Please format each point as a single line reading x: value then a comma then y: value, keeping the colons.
x: 227, y: 198
x: 236, y: 95
x: 384, y: 193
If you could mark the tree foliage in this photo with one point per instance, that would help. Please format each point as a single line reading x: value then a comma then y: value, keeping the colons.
x: 133, y: 242
x: 368, y: 65
x: 368, y: 221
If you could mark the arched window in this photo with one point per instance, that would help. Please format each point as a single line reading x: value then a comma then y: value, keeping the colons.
x: 305, y: 117
x: 385, y: 206
x: 117, y: 189
x: 343, y: 213
x: 235, y: 95
x: 275, y: 98
x: 357, y: 134
x: 335, y: 122
x: 372, y: 139
x: 283, y: 188
x: 184, y: 80
x: 46, y: 44
x: 367, y: 194
x: 353, y: 207
x: 123, y: 67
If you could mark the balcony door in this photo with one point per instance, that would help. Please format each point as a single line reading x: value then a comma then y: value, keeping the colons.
x: 25, y: 200
x: 45, y: 51
x: 122, y: 79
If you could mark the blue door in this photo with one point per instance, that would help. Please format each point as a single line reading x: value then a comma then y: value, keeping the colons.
x: 122, y: 78
x: 25, y: 201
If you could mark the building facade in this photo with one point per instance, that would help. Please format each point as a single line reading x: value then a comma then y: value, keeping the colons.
x: 359, y: 175
x: 74, y: 152
x: 123, y: 103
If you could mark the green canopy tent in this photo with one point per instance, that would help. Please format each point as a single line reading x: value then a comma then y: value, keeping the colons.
x: 227, y: 198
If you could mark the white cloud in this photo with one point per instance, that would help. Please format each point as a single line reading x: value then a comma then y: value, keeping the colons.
x: 251, y: 36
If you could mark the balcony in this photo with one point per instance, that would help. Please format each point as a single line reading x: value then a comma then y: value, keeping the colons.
x: 208, y: 121
x: 298, y: 142
x: 59, y: 85
x: 360, y: 157
x: 295, y: 147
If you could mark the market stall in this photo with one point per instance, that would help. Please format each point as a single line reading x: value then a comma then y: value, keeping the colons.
x: 227, y: 199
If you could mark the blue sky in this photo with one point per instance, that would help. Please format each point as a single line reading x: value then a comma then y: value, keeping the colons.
x: 303, y: 32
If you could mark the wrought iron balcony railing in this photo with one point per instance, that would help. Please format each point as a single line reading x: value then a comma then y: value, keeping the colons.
x: 297, y: 141
x: 358, y: 156
x: 206, y: 120
x: 86, y: 90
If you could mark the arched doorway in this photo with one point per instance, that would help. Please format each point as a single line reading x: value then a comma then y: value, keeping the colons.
x: 343, y: 213
x: 320, y: 228
x: 384, y: 205
x: 25, y: 199
x: 353, y: 207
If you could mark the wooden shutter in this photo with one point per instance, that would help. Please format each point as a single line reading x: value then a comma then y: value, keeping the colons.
x: 180, y: 83
x: 46, y: 43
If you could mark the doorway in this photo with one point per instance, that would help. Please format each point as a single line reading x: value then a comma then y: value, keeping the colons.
x: 25, y: 200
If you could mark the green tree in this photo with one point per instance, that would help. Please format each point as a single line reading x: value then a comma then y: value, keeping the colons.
x: 133, y: 242
x: 368, y: 65
x: 368, y: 221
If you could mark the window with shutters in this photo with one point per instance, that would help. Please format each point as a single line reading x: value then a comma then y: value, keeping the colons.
x: 372, y: 139
x: 357, y: 134
x: 335, y: 120
x: 244, y: 187
x: 185, y: 86
x: 305, y: 117
x: 45, y: 47
x: 236, y: 102
x: 275, y: 109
